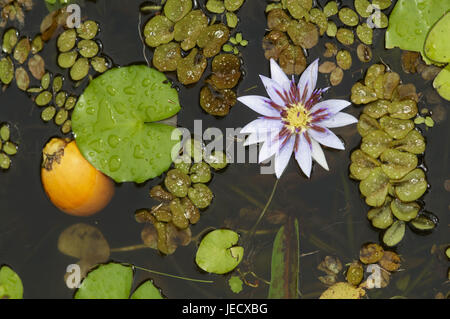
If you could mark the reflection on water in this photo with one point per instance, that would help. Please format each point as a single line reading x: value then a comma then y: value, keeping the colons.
x: 331, y: 213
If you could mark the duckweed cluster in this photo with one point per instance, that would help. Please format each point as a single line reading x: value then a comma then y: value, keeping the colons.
x: 183, y: 194
x: 7, y: 148
x: 79, y: 50
x: 56, y: 104
x: 184, y: 39
x: 20, y: 56
x: 373, y: 254
x: 388, y: 163
x: 12, y: 10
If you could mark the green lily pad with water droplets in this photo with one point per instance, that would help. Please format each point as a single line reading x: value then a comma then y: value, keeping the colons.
x: 10, y: 284
x: 218, y: 252
x: 115, y: 126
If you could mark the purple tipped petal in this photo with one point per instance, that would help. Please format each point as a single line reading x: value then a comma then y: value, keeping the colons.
x: 318, y: 155
x: 325, y: 137
x: 259, y: 104
x: 338, y: 120
x: 283, y: 156
x: 274, y: 90
x: 308, y: 80
x: 278, y: 75
x: 331, y: 106
x: 303, y: 155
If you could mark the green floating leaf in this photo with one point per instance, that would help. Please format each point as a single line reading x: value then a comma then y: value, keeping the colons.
x: 285, y: 262
x: 109, y: 281
x: 410, y: 21
x: 394, y: 234
x: 442, y: 83
x: 437, y: 43
x: 218, y: 252
x: 362, y: 164
x: 10, y: 284
x: 375, y: 187
x: 235, y: 284
x: 114, y: 123
x: 412, y: 186
x: 147, y: 291
x: 381, y: 217
x: 396, y: 164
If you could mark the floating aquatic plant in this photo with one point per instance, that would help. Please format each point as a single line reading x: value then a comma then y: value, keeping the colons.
x: 294, y: 120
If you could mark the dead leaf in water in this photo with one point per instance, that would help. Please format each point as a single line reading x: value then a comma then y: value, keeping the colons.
x: 84, y: 242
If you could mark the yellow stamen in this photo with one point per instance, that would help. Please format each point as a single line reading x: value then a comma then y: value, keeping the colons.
x: 297, y: 117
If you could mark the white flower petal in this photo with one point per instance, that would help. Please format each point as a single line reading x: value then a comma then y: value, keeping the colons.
x: 332, y: 106
x: 318, y: 155
x: 308, y: 79
x: 259, y: 104
x: 272, y: 88
x: 270, y: 147
x: 261, y: 125
x: 283, y: 156
x: 303, y: 155
x: 278, y: 75
x: 338, y: 120
x: 256, y: 138
x: 327, y: 138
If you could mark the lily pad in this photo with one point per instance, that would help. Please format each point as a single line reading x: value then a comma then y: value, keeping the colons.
x: 375, y: 187
x: 147, y: 291
x: 442, y: 83
x: 114, y: 123
x: 218, y: 252
x: 410, y: 21
x: 10, y: 284
x: 109, y: 281
x: 412, y: 186
x: 437, y: 43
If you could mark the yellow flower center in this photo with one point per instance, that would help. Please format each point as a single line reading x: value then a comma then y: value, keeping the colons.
x: 297, y: 117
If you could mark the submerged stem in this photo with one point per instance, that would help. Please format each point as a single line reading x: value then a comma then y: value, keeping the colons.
x: 129, y: 248
x: 172, y: 276
x: 252, y: 231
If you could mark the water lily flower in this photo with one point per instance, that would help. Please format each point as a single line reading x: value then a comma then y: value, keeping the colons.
x: 295, y: 120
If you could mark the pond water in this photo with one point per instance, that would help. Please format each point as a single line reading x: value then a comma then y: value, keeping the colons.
x: 330, y: 210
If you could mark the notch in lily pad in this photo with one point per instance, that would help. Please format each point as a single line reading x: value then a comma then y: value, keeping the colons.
x: 117, y: 125
x: 114, y: 281
x: 218, y: 252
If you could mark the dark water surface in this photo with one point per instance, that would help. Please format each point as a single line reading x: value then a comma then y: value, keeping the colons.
x: 329, y: 207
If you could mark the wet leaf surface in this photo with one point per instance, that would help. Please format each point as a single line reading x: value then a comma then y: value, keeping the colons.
x: 128, y: 152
